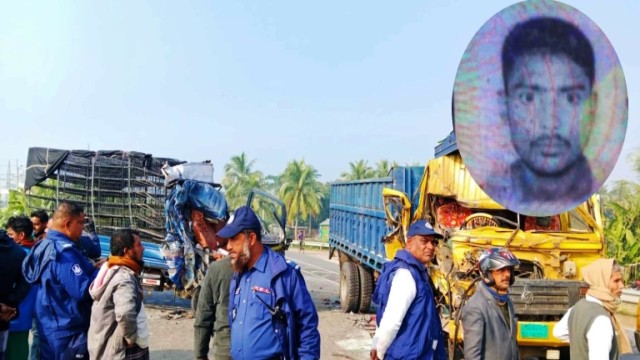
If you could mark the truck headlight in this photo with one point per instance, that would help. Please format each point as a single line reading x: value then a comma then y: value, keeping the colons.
x: 569, y: 269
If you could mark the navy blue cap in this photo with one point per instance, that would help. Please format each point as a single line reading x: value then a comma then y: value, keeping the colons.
x: 422, y: 227
x: 242, y: 219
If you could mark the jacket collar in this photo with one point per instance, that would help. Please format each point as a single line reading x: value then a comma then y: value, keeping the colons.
x: 406, y: 256
x: 493, y: 303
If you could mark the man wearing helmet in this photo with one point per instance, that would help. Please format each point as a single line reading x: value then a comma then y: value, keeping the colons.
x: 408, y: 323
x: 488, y: 319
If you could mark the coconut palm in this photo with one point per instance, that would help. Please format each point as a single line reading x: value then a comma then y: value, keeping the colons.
x: 239, y: 178
x: 301, y: 192
x: 383, y: 167
x: 358, y: 170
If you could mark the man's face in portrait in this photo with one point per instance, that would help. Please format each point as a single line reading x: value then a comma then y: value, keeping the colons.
x: 548, y: 97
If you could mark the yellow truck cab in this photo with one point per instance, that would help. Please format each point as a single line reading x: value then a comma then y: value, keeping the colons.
x: 552, y: 250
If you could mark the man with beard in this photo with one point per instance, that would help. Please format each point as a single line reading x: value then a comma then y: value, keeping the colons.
x: 408, y: 322
x: 489, y: 318
x: 39, y: 219
x: 271, y: 312
x: 548, y: 72
x: 119, y: 328
x: 63, y: 275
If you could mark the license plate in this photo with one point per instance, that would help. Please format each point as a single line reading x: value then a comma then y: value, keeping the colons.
x: 151, y: 282
x: 534, y: 331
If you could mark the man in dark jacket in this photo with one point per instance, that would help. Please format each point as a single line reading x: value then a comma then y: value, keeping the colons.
x: 489, y: 319
x: 212, y: 311
x: 408, y: 322
x: 63, y: 305
x: 13, y: 287
x: 271, y: 312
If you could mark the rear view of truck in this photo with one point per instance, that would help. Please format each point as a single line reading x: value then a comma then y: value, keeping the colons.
x: 358, y: 224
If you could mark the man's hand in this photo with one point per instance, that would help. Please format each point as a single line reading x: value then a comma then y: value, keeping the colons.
x: 374, y: 354
x: 7, y: 312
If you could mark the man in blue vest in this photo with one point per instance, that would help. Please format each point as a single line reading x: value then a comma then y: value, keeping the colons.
x: 408, y: 323
x: 271, y: 312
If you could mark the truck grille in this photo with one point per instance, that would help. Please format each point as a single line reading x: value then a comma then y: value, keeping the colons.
x: 545, y: 297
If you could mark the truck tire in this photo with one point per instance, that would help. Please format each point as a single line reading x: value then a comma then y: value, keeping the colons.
x: 366, y: 288
x: 349, y: 287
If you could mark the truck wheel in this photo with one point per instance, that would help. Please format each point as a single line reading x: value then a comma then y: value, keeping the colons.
x: 366, y: 288
x: 349, y: 287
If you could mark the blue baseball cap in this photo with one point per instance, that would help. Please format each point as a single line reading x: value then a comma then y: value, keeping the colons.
x: 422, y: 227
x: 242, y: 219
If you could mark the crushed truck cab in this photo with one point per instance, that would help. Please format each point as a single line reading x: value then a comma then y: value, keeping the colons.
x: 552, y: 250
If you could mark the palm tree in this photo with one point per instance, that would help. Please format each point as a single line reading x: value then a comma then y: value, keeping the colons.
x: 357, y: 171
x: 239, y: 179
x: 383, y: 167
x: 300, y: 191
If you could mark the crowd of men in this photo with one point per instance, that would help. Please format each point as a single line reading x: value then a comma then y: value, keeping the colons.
x: 409, y: 324
x: 255, y: 304
x: 55, y: 286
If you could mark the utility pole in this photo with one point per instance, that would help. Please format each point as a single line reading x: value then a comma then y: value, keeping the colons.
x: 9, y: 175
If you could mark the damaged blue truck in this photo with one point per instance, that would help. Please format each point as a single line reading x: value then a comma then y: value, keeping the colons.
x: 173, y: 205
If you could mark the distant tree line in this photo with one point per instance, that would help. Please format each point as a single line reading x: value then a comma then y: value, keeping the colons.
x: 307, y: 198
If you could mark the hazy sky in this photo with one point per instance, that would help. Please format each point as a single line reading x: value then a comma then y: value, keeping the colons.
x: 327, y: 81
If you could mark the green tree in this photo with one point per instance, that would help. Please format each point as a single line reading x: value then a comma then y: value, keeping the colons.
x: 358, y: 170
x: 622, y: 221
x: 301, y: 192
x: 621, y: 208
x: 383, y: 167
x: 16, y: 206
x: 239, y: 178
x: 634, y: 157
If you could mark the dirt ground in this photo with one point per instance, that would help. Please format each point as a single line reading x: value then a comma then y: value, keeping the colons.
x: 343, y: 336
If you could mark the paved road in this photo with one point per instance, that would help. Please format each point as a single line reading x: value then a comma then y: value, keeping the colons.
x: 315, y: 265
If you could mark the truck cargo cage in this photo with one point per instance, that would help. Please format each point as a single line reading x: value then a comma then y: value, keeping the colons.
x: 116, y: 188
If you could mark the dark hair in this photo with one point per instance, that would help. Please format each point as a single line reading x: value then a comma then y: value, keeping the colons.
x: 121, y: 239
x: 20, y: 224
x: 42, y: 215
x: 547, y: 35
x: 258, y: 233
x: 68, y: 209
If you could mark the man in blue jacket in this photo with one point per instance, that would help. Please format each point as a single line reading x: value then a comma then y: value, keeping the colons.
x: 408, y: 323
x: 63, y: 306
x: 271, y: 313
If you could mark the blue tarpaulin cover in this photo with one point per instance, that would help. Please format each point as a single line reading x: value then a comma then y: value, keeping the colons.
x: 180, y: 251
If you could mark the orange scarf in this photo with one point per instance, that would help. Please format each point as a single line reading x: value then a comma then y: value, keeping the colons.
x: 124, y: 261
x: 597, y: 275
x: 28, y: 243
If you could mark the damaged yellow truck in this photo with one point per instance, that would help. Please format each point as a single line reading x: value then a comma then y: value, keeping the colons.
x: 552, y: 250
